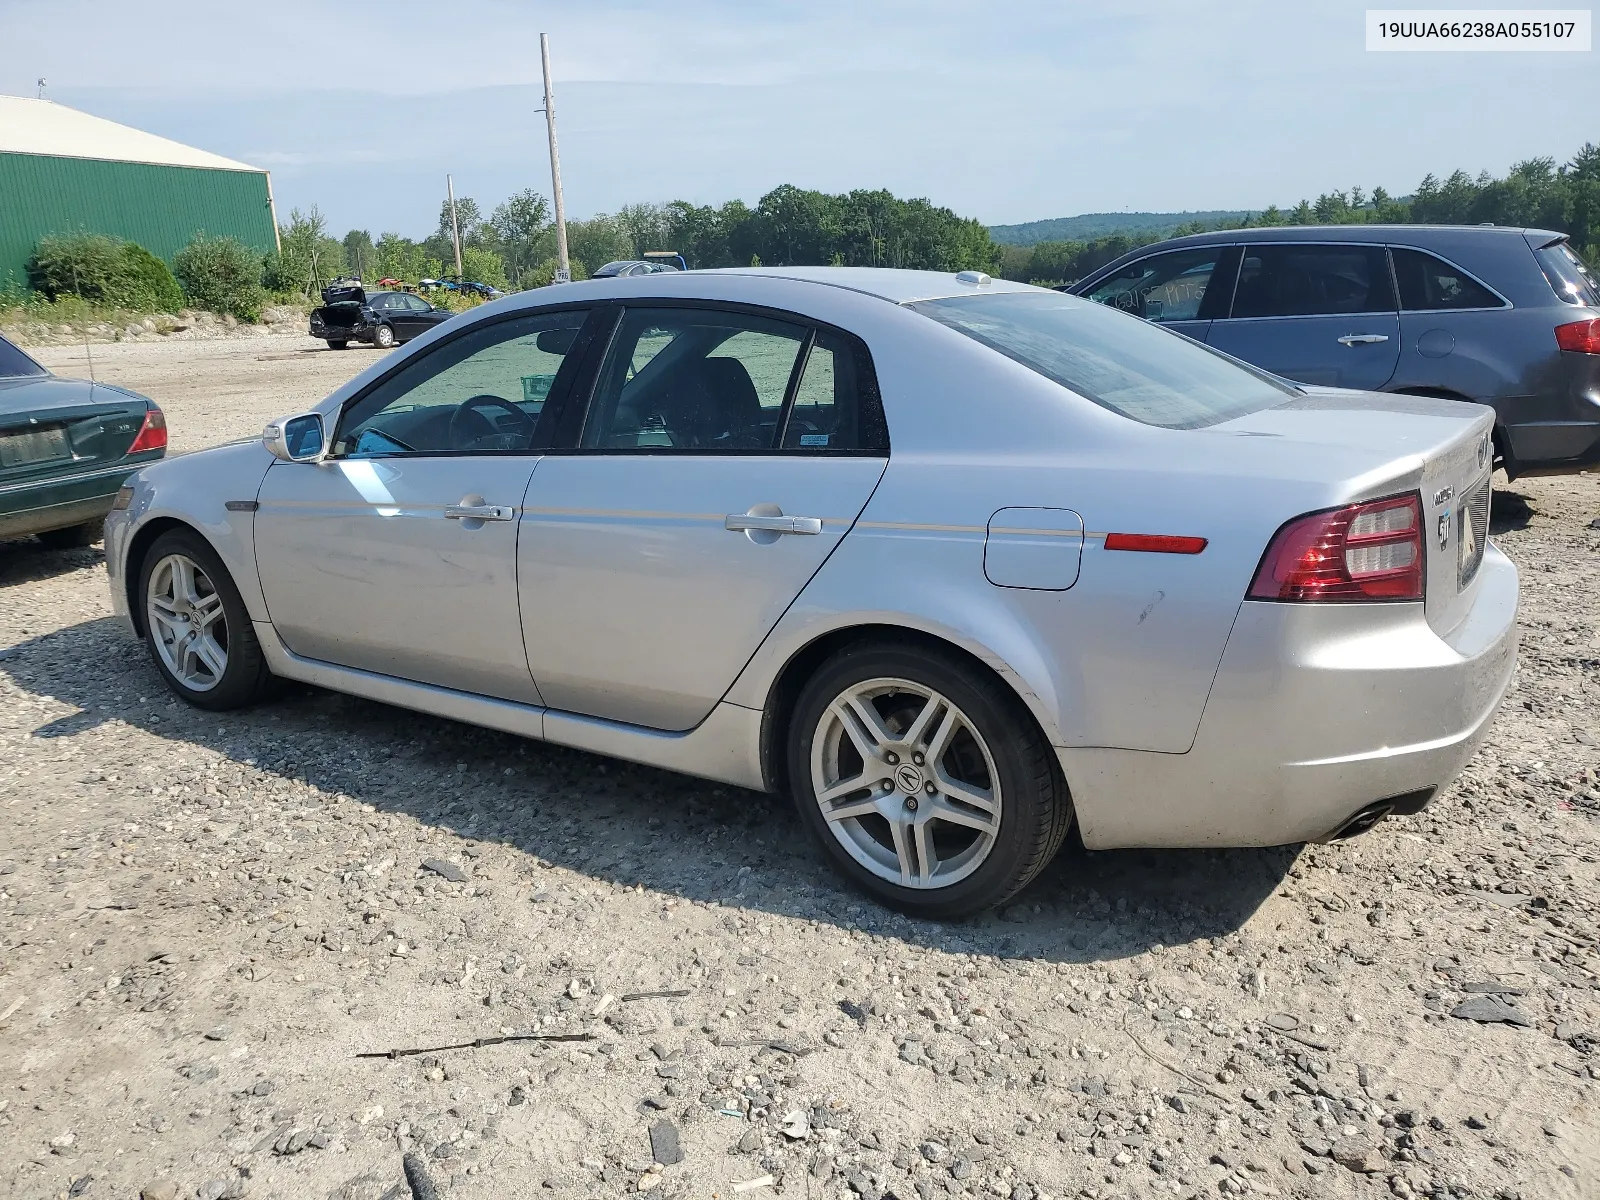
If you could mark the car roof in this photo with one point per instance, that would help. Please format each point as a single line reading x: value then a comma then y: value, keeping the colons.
x: 888, y: 283
x: 1352, y: 233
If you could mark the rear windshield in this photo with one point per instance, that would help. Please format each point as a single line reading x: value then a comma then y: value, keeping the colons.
x: 14, y: 362
x: 1572, y: 281
x: 1139, y: 370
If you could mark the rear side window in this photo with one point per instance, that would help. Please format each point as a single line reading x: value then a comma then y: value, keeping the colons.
x: 1428, y: 283
x: 1147, y: 374
x: 1291, y: 280
x: 14, y: 362
x: 1573, y: 282
x: 701, y: 381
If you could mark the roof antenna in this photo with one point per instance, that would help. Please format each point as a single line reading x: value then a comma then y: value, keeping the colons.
x: 87, y: 353
x: 41, y: 87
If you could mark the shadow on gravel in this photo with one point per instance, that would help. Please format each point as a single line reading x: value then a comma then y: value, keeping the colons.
x: 1509, y: 511
x: 637, y: 825
x: 25, y: 560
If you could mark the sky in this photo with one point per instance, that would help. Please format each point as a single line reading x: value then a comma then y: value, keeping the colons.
x: 1005, y: 112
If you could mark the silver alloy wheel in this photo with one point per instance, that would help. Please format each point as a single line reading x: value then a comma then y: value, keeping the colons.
x: 187, y: 623
x: 906, y: 783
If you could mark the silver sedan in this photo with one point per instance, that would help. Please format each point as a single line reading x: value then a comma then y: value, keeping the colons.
x: 957, y: 563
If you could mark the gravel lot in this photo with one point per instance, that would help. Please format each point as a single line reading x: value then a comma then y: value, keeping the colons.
x: 204, y: 920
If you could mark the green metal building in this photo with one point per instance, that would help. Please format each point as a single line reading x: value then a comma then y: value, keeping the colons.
x: 63, y: 171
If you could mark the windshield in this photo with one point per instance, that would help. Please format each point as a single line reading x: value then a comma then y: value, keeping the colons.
x: 14, y: 362
x: 1572, y: 281
x: 1139, y: 370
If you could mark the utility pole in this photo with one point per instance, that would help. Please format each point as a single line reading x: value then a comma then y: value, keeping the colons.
x: 455, y: 224
x: 563, y: 263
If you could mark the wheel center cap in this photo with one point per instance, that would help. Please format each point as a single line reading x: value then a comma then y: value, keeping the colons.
x: 908, y: 779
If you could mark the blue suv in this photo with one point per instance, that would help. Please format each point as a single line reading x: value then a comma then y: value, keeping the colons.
x: 1504, y: 317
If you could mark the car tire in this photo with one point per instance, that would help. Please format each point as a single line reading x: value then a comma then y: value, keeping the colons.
x: 196, y: 626
x: 383, y: 337
x: 333, y: 345
x: 961, y: 802
x: 73, y: 537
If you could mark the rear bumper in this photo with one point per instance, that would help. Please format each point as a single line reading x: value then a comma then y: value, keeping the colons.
x: 1555, y: 431
x: 341, y: 333
x: 59, y: 502
x: 1317, y: 711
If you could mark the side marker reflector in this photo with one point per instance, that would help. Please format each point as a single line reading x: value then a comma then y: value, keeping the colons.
x: 1155, y: 543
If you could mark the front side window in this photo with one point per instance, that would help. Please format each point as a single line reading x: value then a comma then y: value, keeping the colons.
x: 1292, y: 280
x: 694, y: 380
x: 483, y: 391
x: 1150, y: 375
x: 1164, y: 287
x: 1427, y: 283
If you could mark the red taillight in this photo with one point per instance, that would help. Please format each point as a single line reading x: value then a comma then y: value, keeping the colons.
x: 1370, y: 551
x: 152, y: 434
x: 1580, y: 337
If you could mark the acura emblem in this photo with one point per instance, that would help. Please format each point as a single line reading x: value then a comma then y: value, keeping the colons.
x: 909, y: 779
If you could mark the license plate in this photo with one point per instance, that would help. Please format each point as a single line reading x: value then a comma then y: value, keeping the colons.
x: 29, y: 446
x: 1472, y: 534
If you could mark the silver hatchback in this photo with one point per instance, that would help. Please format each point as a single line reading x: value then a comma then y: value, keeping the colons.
x: 955, y: 562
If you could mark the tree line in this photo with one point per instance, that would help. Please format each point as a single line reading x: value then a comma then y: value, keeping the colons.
x: 513, y: 245
x: 1535, y: 193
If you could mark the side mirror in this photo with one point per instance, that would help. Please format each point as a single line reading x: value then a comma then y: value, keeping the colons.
x: 295, y: 439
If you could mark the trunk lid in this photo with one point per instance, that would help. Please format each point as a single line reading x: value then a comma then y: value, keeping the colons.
x: 1374, y: 444
x: 52, y: 426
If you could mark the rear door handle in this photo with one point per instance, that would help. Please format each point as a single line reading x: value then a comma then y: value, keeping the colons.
x: 1363, y: 339
x: 739, y: 522
x: 479, y: 512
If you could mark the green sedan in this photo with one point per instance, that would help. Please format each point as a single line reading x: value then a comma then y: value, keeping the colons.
x: 66, y: 446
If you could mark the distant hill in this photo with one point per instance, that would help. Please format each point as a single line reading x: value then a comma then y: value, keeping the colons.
x: 1088, y: 226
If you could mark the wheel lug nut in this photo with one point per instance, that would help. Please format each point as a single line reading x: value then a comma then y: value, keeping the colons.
x: 929, y: 788
x: 911, y: 804
x: 917, y: 758
x: 891, y: 758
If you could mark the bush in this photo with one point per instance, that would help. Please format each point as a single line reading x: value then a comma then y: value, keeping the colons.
x: 102, y: 270
x: 222, y: 275
x: 85, y: 264
x: 147, y: 284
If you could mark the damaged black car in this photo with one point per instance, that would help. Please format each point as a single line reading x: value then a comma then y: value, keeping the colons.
x: 350, y: 313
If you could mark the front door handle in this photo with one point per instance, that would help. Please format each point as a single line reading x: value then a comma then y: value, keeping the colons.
x: 479, y: 512
x: 1363, y: 339
x: 741, y: 522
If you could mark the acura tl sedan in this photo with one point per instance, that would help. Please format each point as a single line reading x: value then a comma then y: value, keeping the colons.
x: 956, y: 562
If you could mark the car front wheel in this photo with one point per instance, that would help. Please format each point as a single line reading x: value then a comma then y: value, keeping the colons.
x: 196, y: 626
x: 925, y: 780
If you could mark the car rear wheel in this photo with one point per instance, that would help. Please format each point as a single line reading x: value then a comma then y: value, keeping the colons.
x: 73, y: 537
x: 196, y: 626
x: 924, y: 780
x: 383, y: 337
x: 333, y: 345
